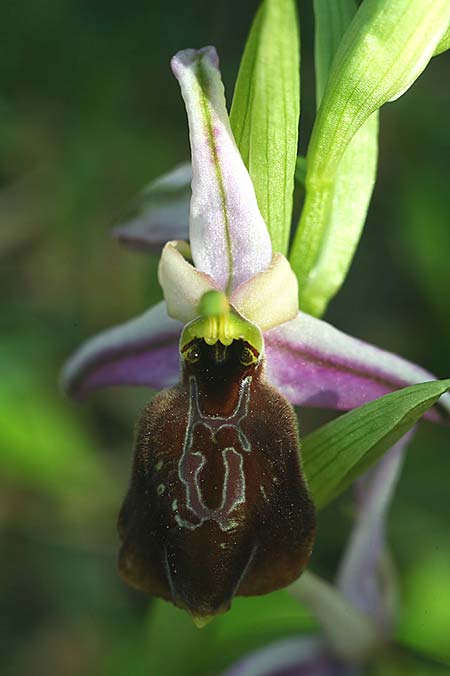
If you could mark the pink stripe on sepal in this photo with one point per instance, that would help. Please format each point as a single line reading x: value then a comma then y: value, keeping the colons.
x: 143, y: 351
x: 314, y: 364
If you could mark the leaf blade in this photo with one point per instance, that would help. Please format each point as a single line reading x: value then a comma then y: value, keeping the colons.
x: 354, y: 181
x: 383, y: 51
x: 265, y: 113
x: 332, y: 18
x: 338, y: 452
x: 444, y: 44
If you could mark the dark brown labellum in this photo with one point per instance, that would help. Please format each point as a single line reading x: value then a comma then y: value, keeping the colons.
x: 217, y: 503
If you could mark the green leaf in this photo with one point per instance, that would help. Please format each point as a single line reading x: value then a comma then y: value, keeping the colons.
x: 337, y: 453
x: 342, y: 228
x: 444, y: 44
x: 265, y: 113
x: 331, y: 20
x: 385, y: 48
x: 353, y: 182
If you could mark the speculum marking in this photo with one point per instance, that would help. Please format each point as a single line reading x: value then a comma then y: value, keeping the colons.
x: 192, y: 462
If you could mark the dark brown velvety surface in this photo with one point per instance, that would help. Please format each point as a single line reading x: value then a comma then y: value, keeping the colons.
x: 217, y: 504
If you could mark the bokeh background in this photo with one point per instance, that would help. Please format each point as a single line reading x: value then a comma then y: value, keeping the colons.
x: 89, y: 113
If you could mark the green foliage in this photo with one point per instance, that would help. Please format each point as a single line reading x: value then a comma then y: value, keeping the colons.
x: 353, y: 182
x: 383, y: 51
x: 444, y: 43
x: 265, y: 113
x: 337, y: 453
x: 352, y: 190
x: 331, y: 20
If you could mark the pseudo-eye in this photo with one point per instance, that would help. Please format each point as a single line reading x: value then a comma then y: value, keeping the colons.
x: 217, y: 504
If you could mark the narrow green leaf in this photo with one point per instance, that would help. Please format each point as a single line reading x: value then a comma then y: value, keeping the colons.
x: 387, y: 46
x: 351, y: 194
x: 338, y: 452
x: 353, y: 183
x: 384, y: 50
x: 331, y: 20
x: 265, y: 113
x: 444, y: 44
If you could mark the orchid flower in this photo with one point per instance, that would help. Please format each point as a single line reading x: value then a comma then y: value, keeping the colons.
x: 311, y: 362
x: 230, y: 313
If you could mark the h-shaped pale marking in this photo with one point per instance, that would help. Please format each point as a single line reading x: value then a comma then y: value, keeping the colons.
x: 192, y: 462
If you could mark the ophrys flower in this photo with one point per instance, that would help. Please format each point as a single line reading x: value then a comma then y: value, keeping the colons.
x: 217, y: 502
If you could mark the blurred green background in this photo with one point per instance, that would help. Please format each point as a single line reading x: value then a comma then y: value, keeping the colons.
x: 89, y: 113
